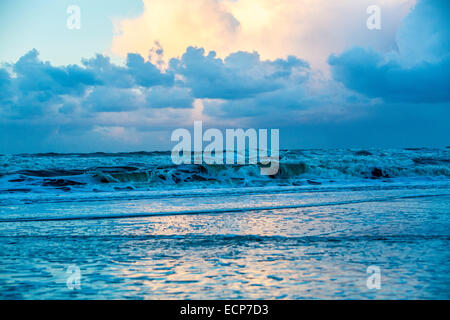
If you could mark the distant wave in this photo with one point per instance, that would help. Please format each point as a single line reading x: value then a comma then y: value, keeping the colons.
x: 99, y: 172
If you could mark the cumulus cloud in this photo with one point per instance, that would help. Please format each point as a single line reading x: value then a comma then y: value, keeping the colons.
x: 173, y: 97
x: 370, y: 73
x: 104, y: 97
x: 146, y: 74
x: 108, y: 99
x: 239, y: 75
x: 419, y: 72
x: 5, y: 85
x: 31, y: 87
x: 313, y: 99
x: 33, y: 75
x: 136, y: 72
x: 310, y: 29
x: 108, y: 73
x: 134, y: 105
x: 175, y: 25
x: 424, y: 35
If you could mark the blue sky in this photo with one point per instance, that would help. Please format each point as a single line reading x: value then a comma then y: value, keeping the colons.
x: 136, y: 70
x: 41, y: 24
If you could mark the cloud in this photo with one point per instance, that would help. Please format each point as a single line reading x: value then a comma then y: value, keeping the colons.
x: 368, y: 72
x: 33, y: 87
x: 136, y: 72
x: 313, y: 100
x: 424, y: 35
x: 418, y: 72
x: 145, y: 73
x: 265, y: 82
x: 173, y: 97
x: 240, y: 75
x: 5, y: 85
x: 310, y: 29
x: 68, y: 107
x: 35, y: 75
x: 109, y: 74
x: 109, y: 99
x: 175, y: 25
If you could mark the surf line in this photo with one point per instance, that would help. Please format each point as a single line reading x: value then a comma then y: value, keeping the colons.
x: 219, y: 211
x: 215, y: 151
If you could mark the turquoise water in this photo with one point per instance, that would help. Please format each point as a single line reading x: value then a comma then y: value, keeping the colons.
x: 280, y: 240
x: 309, y: 252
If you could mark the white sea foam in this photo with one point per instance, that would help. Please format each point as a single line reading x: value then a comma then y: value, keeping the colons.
x: 100, y: 175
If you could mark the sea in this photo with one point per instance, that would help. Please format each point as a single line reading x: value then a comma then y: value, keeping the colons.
x: 331, y: 224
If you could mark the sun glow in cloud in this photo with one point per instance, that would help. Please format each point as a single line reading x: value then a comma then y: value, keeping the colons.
x: 309, y: 67
x: 310, y: 29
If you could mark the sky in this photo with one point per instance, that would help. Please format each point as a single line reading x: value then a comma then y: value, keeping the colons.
x: 136, y: 70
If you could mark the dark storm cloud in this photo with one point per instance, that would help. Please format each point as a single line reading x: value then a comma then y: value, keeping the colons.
x: 418, y: 73
x: 369, y: 73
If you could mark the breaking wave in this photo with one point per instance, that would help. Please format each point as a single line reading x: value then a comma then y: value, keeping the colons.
x: 154, y: 170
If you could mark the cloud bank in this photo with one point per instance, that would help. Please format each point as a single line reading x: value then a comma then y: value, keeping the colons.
x: 418, y: 72
x: 310, y: 29
x: 373, y: 96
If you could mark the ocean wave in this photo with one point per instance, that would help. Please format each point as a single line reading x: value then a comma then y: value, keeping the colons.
x: 154, y: 170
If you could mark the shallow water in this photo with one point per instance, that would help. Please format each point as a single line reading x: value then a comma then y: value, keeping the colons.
x: 277, y: 241
x: 309, y: 252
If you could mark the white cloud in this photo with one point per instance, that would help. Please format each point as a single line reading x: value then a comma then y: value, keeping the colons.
x: 309, y: 29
